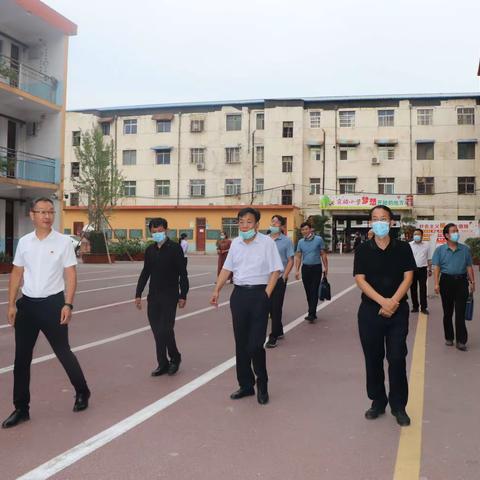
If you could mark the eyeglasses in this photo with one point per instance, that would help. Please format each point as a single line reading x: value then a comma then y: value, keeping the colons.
x: 45, y: 213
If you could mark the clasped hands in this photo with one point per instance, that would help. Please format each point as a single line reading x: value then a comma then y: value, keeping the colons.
x: 389, y: 307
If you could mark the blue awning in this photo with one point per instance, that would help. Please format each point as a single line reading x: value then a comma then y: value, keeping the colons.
x: 348, y: 143
x: 468, y: 140
x: 161, y: 147
x: 386, y: 141
x: 424, y: 141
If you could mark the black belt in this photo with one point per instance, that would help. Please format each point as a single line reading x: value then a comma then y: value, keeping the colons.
x: 252, y: 287
x: 462, y: 276
x: 41, y: 299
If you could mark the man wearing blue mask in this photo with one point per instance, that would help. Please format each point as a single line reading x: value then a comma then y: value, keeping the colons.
x: 420, y: 251
x: 383, y: 270
x: 453, y: 274
x: 166, y: 268
x: 255, y: 263
x: 285, y: 249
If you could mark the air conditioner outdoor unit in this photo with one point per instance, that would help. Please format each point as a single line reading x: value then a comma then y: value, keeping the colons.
x: 200, y: 166
x: 375, y: 161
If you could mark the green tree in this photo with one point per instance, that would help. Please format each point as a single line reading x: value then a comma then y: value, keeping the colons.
x: 99, y: 180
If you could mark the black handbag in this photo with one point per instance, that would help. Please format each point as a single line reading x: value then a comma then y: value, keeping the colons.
x: 469, y: 308
x: 324, y: 291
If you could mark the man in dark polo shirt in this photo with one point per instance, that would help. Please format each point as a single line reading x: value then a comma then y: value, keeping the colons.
x: 383, y: 269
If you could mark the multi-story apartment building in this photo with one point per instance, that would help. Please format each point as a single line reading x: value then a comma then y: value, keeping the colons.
x: 33, y: 68
x: 196, y: 162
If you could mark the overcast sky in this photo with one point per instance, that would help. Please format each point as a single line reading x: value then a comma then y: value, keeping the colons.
x: 158, y: 51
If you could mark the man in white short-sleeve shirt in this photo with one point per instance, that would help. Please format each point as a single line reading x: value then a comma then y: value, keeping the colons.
x: 45, y: 260
x: 254, y: 260
x: 420, y: 251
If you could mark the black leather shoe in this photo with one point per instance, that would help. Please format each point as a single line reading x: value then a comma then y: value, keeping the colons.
x: 242, y: 392
x: 16, y: 417
x: 311, y: 318
x: 449, y: 343
x: 425, y: 311
x: 262, y: 397
x: 374, y: 412
x: 414, y: 310
x: 81, y: 401
x: 160, y: 370
x: 272, y: 342
x: 402, y: 418
x: 173, y: 367
x: 462, y: 347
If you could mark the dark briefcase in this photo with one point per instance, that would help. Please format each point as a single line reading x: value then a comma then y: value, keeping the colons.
x: 324, y: 291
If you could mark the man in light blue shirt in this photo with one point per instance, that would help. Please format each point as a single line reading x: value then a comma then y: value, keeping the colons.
x: 454, y: 277
x: 310, y: 254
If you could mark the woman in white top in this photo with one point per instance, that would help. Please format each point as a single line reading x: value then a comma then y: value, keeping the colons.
x: 184, y: 245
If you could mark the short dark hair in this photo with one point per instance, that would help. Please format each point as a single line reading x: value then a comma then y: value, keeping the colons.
x: 157, y: 222
x: 246, y: 211
x: 418, y: 230
x: 447, y: 227
x: 383, y: 207
x: 305, y: 224
x: 183, y: 235
x: 282, y: 220
x: 34, y: 202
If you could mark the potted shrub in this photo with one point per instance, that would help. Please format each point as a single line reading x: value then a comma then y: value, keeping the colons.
x: 6, y: 264
x: 98, y: 250
x: 474, y: 244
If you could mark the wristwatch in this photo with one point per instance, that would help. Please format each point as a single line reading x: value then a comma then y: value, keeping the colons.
x: 69, y: 305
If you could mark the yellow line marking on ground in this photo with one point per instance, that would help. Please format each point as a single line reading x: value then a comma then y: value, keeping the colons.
x: 409, y: 454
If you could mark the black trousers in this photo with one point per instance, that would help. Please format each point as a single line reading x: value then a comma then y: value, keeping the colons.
x: 276, y: 308
x: 378, y: 334
x: 161, y: 316
x: 454, y: 294
x: 311, y: 278
x: 33, y: 316
x: 420, y: 276
x: 250, y: 309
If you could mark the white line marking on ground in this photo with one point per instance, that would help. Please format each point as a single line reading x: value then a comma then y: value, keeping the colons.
x: 83, y: 449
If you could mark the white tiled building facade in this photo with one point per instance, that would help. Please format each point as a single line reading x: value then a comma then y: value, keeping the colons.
x: 294, y: 151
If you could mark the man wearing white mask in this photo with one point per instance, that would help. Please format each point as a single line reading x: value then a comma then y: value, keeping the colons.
x: 454, y: 277
x: 420, y: 251
x: 165, y: 267
x: 383, y: 270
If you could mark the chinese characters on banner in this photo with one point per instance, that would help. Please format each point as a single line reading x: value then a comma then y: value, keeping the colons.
x: 433, y: 230
x: 352, y: 201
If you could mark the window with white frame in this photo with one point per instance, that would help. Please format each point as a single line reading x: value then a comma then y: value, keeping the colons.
x: 129, y: 188
x: 197, y: 188
x: 197, y: 156
x: 233, y: 122
x: 260, y: 153
x: 130, y: 127
x: 466, y: 185
x: 259, y: 185
x: 466, y: 116
x: 75, y: 169
x: 74, y: 199
x: 386, y: 118
x: 425, y: 185
x: 315, y: 186
x: 315, y: 119
x: 287, y: 197
x: 466, y: 150
x: 425, y: 151
x: 386, y: 185
x: 343, y: 153
x: 287, y: 130
x: 230, y: 226
x: 287, y: 164
x: 347, y: 185
x: 260, y: 121
x: 347, y: 118
x: 105, y: 126
x: 162, y: 157
x: 197, y: 126
x: 316, y: 154
x: 386, y: 153
x: 233, y: 186
x: 425, y: 116
x: 129, y: 157
x: 162, y: 188
x: 232, y: 155
x: 164, y: 126
x: 76, y: 138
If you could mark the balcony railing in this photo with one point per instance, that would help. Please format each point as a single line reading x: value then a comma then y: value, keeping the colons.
x: 27, y: 166
x: 26, y: 78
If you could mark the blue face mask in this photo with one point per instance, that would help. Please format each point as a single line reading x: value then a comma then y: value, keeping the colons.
x: 249, y: 234
x: 381, y: 228
x: 454, y: 237
x: 417, y: 238
x: 274, y: 229
x: 158, y: 237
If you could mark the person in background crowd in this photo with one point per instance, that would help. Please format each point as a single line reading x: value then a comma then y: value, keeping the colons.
x: 383, y: 269
x: 453, y: 275
x: 184, y: 245
x: 310, y: 254
x: 223, y: 246
x: 45, y: 261
x: 357, y: 240
x: 285, y: 249
x: 166, y: 268
x: 420, y: 251
x: 255, y: 263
